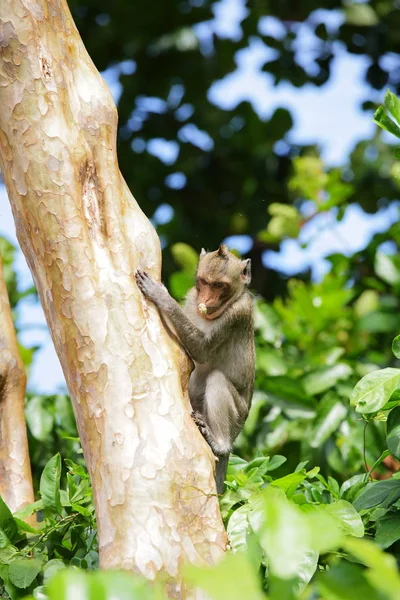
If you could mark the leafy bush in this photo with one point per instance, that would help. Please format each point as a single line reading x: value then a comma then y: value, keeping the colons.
x: 312, y: 504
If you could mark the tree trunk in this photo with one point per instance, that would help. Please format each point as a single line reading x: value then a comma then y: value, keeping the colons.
x: 15, y: 468
x: 84, y: 236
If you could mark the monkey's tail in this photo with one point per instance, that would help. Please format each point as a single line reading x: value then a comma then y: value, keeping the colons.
x: 220, y: 472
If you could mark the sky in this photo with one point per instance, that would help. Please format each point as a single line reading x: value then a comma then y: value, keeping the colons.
x: 328, y: 115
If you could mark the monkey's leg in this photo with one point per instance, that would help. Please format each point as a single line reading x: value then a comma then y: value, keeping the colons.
x: 222, y: 460
x: 223, y: 414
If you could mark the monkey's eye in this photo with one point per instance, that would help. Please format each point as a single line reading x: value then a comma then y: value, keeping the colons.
x: 218, y: 285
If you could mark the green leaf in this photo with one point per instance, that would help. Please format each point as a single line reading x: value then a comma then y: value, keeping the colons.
x: 219, y: 583
x: 353, y: 486
x: 349, y: 518
x: 24, y: 526
x: 282, y: 531
x: 185, y: 256
x: 179, y: 284
x: 51, y: 568
x: 267, y: 323
x: 373, y: 391
x: 385, y: 122
x: 361, y: 15
x: 7, y: 523
x: 345, y: 581
x: 288, y: 534
x: 393, y: 432
x: 238, y: 528
x: 276, y: 209
x: 392, y: 105
x: 366, y: 303
x: 378, y: 461
x: 23, y: 571
x: 7, y: 550
x: 29, y: 509
x: 379, y: 492
x: 72, y: 583
x: 387, y: 531
x: 383, y: 573
x: 271, y: 362
x: 276, y: 462
x: 289, y: 391
x: 50, y: 484
x: 330, y: 414
x: 396, y: 346
x: 40, y: 420
x: 306, y: 570
x: 289, y: 483
x: 325, y: 378
x: 386, y: 268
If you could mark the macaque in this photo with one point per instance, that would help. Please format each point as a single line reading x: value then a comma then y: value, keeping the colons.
x: 216, y: 328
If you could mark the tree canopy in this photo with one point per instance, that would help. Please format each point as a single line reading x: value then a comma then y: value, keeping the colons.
x: 224, y: 167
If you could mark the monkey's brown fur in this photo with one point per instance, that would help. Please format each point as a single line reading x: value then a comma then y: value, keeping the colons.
x: 221, y: 344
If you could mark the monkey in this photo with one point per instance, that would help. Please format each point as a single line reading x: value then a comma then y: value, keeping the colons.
x: 215, y: 326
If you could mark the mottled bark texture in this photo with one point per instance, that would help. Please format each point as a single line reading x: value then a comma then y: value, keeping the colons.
x: 15, y: 468
x: 84, y: 236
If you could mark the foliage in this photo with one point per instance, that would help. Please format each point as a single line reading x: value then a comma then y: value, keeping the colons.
x: 295, y: 529
x: 228, y: 156
x: 65, y: 534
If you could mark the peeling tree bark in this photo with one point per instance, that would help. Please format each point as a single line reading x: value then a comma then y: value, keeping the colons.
x: 84, y: 236
x: 15, y: 469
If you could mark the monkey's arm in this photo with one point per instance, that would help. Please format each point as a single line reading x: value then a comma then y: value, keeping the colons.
x: 196, y: 342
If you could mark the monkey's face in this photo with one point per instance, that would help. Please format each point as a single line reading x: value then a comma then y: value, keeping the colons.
x: 220, y: 277
x: 211, y: 296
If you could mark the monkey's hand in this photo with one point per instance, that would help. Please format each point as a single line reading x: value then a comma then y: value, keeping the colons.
x: 154, y: 291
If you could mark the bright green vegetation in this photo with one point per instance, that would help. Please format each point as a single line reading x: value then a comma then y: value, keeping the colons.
x: 312, y: 506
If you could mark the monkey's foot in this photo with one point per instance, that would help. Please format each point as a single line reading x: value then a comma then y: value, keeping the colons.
x: 200, y: 422
x: 205, y: 431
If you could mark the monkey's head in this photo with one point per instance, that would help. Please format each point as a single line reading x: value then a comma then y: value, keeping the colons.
x: 221, y: 277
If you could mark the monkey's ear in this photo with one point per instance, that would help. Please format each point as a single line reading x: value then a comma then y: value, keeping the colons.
x: 202, y: 253
x: 223, y: 250
x: 245, y: 275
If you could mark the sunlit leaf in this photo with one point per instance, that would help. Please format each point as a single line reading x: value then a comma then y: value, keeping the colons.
x: 39, y: 418
x: 384, y: 121
x: 383, y: 573
x: 219, y: 583
x: 330, y: 414
x: 238, y: 528
x: 373, y: 391
x: 385, y: 267
x: 349, y: 518
x: 392, y: 105
x: 362, y: 15
x: 325, y: 378
x: 185, y: 256
x: 50, y: 484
